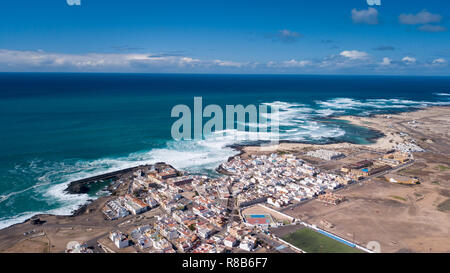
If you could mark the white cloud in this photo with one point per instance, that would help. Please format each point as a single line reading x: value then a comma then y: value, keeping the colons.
x: 354, y: 54
x: 423, y: 17
x: 386, y: 61
x: 271, y: 64
x: 15, y: 60
x: 73, y: 2
x: 368, y: 16
x: 90, y: 60
x: 439, y: 61
x: 294, y: 63
x: 187, y: 60
x: 432, y: 28
x: 285, y: 36
x: 227, y: 63
x: 409, y: 60
x: 349, y: 61
x: 289, y: 64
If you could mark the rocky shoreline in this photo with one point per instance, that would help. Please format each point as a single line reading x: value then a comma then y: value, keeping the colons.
x: 82, y: 186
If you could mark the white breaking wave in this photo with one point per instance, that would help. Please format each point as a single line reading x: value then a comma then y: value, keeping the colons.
x: 296, y: 123
x: 195, y: 156
x: 328, y: 112
x: 354, y: 104
x: 299, y: 117
x: 65, y: 210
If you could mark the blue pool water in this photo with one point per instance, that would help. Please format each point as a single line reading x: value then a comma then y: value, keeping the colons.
x: 257, y: 216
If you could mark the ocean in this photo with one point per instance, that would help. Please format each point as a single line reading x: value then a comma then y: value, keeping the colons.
x: 57, y: 128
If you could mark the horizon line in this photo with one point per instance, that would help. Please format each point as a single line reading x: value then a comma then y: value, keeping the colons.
x: 222, y: 74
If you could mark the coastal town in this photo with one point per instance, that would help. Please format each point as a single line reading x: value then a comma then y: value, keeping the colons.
x: 200, y: 214
x: 260, y: 201
x: 224, y: 136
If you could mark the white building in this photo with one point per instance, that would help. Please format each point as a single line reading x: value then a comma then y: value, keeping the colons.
x: 151, y: 202
x: 144, y: 242
x: 119, y: 239
x: 246, y: 245
x: 204, y: 232
x: 230, y: 241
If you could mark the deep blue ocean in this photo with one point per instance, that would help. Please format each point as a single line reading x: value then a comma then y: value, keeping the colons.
x: 56, y: 128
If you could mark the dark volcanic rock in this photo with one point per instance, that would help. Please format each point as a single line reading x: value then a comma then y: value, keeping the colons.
x: 77, y: 188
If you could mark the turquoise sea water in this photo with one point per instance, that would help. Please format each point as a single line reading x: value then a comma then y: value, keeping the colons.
x: 60, y: 127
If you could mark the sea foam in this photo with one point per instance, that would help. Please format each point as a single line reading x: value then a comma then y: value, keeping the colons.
x: 298, y: 122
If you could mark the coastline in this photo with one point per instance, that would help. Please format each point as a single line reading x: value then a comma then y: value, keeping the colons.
x: 383, y: 142
x: 377, y: 122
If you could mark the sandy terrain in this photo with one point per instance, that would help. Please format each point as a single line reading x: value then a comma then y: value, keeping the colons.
x: 401, y: 218
x: 57, y: 231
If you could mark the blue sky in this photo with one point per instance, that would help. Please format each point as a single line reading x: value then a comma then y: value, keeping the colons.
x: 304, y: 37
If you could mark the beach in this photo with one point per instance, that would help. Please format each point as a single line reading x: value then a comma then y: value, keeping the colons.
x: 391, y: 126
